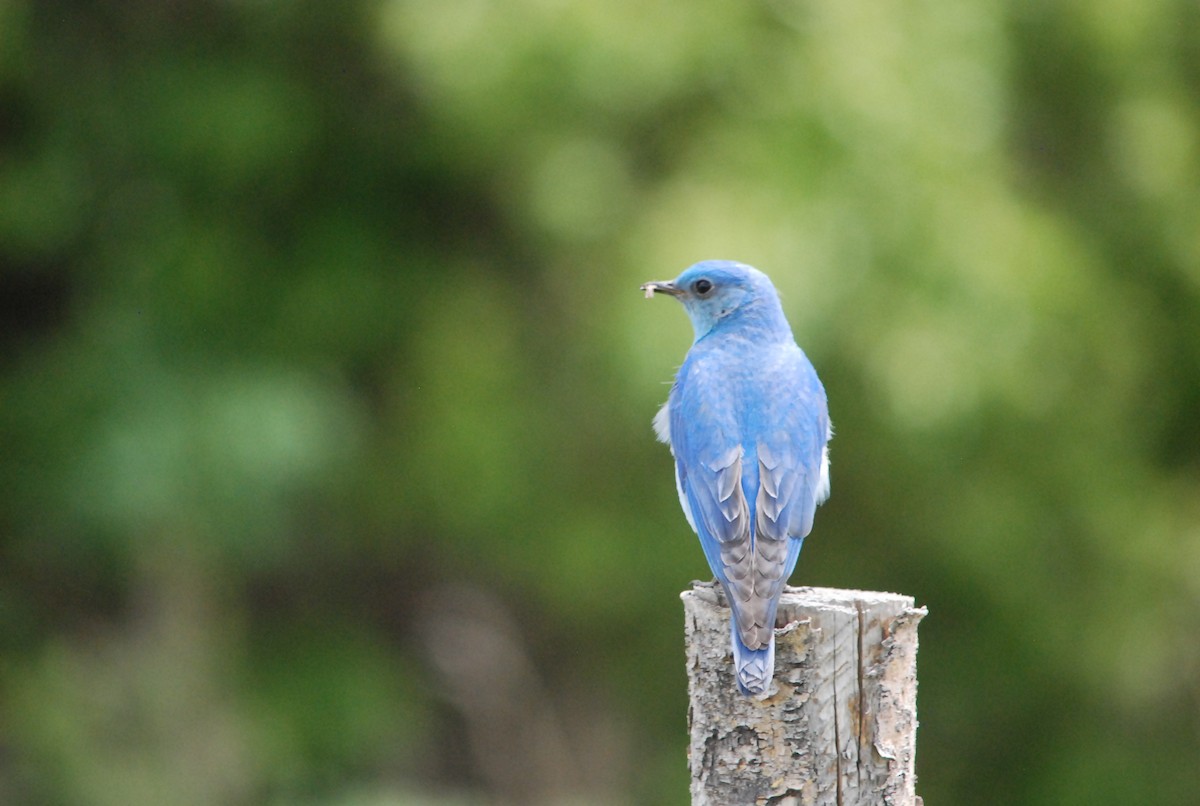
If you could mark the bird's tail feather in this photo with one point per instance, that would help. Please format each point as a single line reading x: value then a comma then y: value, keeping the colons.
x: 753, y: 668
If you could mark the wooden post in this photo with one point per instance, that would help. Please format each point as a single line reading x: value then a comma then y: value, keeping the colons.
x: 838, y: 723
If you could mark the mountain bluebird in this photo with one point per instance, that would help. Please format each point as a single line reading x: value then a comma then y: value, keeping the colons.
x: 748, y: 425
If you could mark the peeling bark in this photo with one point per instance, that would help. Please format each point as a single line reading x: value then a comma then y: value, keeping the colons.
x: 838, y: 723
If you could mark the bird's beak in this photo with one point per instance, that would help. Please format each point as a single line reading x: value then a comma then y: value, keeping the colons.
x: 662, y: 288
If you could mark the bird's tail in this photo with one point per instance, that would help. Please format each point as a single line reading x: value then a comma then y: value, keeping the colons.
x: 753, y: 668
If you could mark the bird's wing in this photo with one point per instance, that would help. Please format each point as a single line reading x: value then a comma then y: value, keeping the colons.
x: 793, y: 473
x: 793, y: 463
x: 708, y: 469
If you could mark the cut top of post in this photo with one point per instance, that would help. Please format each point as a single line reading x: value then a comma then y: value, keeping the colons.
x: 836, y: 725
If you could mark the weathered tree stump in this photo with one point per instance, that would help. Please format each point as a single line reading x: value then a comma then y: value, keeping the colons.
x: 838, y: 723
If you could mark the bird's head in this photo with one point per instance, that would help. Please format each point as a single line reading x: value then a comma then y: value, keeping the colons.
x: 716, y: 293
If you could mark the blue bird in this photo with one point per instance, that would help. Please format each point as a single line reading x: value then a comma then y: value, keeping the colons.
x: 748, y: 424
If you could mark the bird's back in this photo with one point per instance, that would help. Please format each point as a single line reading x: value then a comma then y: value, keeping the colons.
x: 752, y: 414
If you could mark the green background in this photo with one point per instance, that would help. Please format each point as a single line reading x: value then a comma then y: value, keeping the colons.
x: 325, y: 384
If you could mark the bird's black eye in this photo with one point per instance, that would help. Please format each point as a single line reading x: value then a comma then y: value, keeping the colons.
x: 702, y: 286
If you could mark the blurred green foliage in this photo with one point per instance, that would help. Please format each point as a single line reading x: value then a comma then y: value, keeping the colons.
x: 325, y: 383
